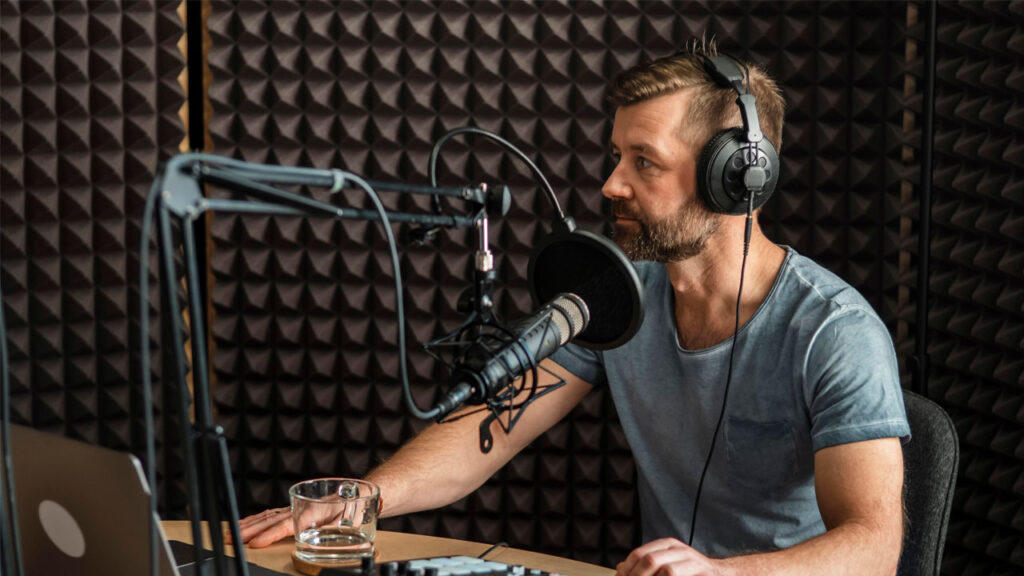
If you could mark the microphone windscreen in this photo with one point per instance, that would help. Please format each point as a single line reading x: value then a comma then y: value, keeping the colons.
x: 595, y: 269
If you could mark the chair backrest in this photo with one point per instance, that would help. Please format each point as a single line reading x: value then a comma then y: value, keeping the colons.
x: 930, y: 462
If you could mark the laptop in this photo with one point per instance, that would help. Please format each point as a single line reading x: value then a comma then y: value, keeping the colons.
x: 84, y: 509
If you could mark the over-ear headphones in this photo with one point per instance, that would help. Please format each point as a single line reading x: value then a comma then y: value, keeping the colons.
x: 736, y: 161
x: 737, y: 169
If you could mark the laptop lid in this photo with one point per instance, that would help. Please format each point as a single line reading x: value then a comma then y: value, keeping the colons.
x: 82, y: 509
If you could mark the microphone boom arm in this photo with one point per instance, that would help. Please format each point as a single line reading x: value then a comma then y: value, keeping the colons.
x: 177, y: 193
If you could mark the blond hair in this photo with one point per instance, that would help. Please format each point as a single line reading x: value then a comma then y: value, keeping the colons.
x: 712, y: 108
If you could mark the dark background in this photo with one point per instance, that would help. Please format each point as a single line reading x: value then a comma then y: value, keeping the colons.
x: 94, y: 96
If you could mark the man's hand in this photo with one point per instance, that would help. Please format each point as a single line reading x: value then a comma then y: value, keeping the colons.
x: 267, y: 527
x: 668, y: 557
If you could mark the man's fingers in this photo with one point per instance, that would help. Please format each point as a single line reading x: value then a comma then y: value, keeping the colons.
x: 256, y: 524
x: 272, y: 534
x: 262, y: 516
x: 628, y: 566
x: 674, y: 561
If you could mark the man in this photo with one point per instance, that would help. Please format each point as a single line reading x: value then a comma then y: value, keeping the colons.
x: 807, y: 475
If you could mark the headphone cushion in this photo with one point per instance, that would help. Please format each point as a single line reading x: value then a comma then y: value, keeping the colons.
x: 721, y: 167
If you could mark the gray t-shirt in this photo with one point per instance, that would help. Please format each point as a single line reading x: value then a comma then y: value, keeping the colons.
x: 814, y: 367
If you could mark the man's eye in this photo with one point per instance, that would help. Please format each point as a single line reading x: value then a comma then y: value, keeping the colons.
x: 642, y: 163
x: 615, y: 156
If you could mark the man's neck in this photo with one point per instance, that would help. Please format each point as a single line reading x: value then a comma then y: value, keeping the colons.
x: 706, y: 285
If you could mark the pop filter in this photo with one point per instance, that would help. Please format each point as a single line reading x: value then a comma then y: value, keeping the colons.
x: 595, y: 269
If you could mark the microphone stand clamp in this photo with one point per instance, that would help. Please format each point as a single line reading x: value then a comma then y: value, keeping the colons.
x: 483, y: 274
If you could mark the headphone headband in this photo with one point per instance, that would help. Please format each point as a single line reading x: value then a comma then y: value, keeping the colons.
x: 725, y: 71
x: 736, y: 163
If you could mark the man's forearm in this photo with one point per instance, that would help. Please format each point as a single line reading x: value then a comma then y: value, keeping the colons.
x: 852, y: 549
x: 438, y: 467
x: 444, y: 463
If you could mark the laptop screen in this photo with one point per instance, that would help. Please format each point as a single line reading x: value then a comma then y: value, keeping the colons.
x: 82, y: 509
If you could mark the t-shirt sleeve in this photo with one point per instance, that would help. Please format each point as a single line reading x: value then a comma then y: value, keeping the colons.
x: 586, y: 364
x: 851, y: 381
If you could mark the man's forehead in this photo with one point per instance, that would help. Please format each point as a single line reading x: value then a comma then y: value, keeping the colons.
x: 647, y: 125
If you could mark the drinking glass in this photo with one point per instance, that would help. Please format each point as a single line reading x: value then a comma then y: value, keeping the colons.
x: 335, y: 519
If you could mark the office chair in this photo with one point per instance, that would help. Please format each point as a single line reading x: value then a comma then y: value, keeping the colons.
x: 929, y: 466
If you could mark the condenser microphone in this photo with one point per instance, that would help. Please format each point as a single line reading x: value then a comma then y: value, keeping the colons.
x: 488, y: 366
x: 594, y: 298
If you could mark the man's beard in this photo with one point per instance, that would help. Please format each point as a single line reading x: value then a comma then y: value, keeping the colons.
x: 676, y: 237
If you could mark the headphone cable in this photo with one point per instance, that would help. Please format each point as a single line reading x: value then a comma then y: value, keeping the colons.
x: 728, y: 378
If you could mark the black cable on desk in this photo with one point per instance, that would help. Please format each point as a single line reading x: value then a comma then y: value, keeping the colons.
x: 492, y: 548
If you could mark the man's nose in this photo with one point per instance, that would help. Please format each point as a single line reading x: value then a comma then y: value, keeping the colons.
x: 616, y: 185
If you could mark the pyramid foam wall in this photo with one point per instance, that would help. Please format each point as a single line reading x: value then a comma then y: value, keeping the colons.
x: 90, y: 101
x: 976, y: 304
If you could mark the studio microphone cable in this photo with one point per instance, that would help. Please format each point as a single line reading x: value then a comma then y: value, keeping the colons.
x: 144, y: 363
x: 732, y: 354
x: 399, y: 304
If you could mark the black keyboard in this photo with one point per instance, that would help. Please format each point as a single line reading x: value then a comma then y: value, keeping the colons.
x: 441, y: 566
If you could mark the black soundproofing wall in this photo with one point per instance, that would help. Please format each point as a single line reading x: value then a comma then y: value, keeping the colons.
x: 304, y: 328
x: 976, y: 304
x: 90, y: 105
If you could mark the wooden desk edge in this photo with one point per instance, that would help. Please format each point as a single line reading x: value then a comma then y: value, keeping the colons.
x: 400, y: 546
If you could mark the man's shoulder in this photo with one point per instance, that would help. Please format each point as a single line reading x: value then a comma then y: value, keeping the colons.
x: 810, y: 299
x: 813, y: 284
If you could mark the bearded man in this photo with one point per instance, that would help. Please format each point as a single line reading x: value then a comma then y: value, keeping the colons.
x: 807, y: 476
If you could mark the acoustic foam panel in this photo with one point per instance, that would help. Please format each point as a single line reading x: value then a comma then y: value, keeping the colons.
x: 976, y: 308
x: 304, y: 329
x: 90, y: 102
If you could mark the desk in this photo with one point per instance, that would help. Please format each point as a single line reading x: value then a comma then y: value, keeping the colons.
x: 398, y: 546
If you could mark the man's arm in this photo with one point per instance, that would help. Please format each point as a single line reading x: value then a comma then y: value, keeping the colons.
x: 444, y: 462
x: 859, y: 488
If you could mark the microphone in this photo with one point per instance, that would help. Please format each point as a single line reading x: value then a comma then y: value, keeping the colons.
x: 595, y: 298
x: 487, y: 367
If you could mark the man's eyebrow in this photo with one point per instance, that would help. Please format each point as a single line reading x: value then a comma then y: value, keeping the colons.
x: 647, y: 150
x: 641, y: 147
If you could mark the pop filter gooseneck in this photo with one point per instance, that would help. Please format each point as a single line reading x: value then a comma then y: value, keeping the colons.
x: 507, y: 146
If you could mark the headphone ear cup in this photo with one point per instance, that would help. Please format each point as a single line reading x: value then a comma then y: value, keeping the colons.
x: 712, y: 162
x: 721, y: 167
